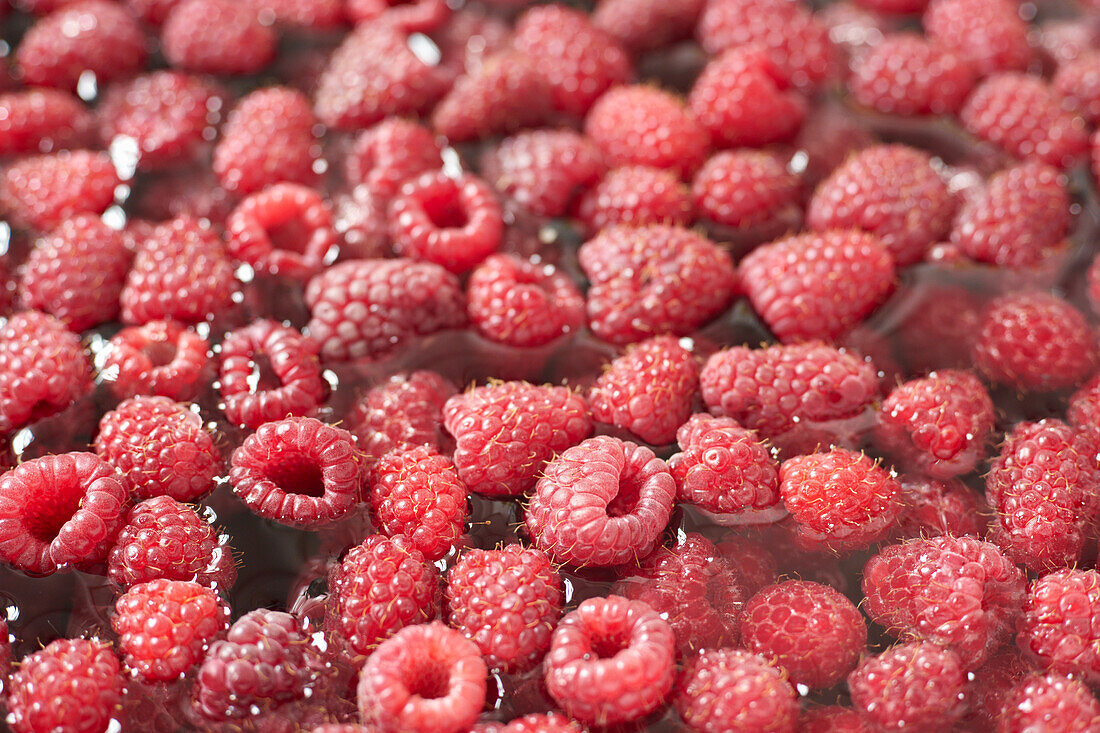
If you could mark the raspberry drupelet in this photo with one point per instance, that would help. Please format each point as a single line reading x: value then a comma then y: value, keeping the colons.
x: 158, y: 358
x: 731, y: 687
x: 69, y: 685
x: 401, y: 413
x: 287, y: 229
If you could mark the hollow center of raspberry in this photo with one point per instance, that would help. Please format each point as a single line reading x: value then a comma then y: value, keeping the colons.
x: 626, y: 500
x: 446, y: 212
x: 295, y: 473
x: 430, y: 682
x: 45, y: 517
x: 292, y: 235
x: 160, y: 353
x: 263, y: 377
x: 608, y: 645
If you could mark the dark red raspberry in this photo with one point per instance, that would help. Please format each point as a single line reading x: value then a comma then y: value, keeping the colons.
x: 217, y: 37
x: 653, y: 280
x: 189, y: 192
x: 1049, y: 701
x: 990, y: 35
x: 1078, y: 82
x: 742, y: 98
x: 42, y: 120
x: 1034, y: 341
x: 390, y: 153
x: 647, y: 25
x: 735, y: 689
x: 88, y: 36
x: 636, y: 195
x: 507, y: 601
x: 411, y: 15
x: 506, y: 432
x: 286, y: 229
x: 165, y: 627
x: 70, y: 685
x: 163, y: 538
x: 934, y: 508
x: 542, y: 170
x: 918, y: 686
x: 298, y: 471
x: 427, y: 678
x: 745, y: 188
x: 160, y: 447
x: 1059, y: 628
x: 159, y: 358
x: 380, y: 586
x: 810, y: 630
x: 905, y: 74
x: 76, y: 273
x: 940, y: 331
x: 43, y: 369
x: 401, y: 413
x: 302, y: 14
x: 521, y: 302
x: 43, y: 191
x: 368, y: 308
x: 834, y: 718
x: 603, y: 502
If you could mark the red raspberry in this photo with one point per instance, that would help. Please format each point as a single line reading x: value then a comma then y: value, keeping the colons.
x: 286, y: 229
x: 302, y: 14
x: 268, y: 371
x: 648, y: 391
x: 653, y: 280
x: 42, y: 120
x: 268, y: 138
x: 506, y: 432
x: 390, y: 153
x: 647, y: 25
x: 43, y: 369
x: 724, y: 689
x: 774, y: 388
x: 159, y: 358
x: 934, y: 508
x: 410, y: 15
x: 401, y: 413
x: 891, y: 191
x: 160, y: 447
x: 163, y: 538
x: 507, y: 601
x: 918, y: 686
x: 990, y: 35
x: 745, y: 188
x: 298, y: 471
x: 70, y: 685
x: 543, y: 723
x: 165, y: 627
x: 579, y: 60
x: 1083, y: 411
x: 76, y: 273
x: 471, y: 35
x: 610, y: 661
x: 808, y: 629
x: 367, y: 308
x: 1023, y: 115
x: 521, y: 302
x: 905, y: 74
x: 190, y: 193
x: 43, y: 191
x: 380, y: 586
x: 741, y: 97
x: 181, y: 272
x: 833, y: 718
x: 217, y: 37
x: 542, y: 170
x: 939, y: 425
x: 425, y: 679
x: 152, y: 12
x: 958, y: 592
x: 635, y: 195
x: 1034, y: 341
x: 1059, y: 629
x: 1078, y: 82
x: 88, y: 36
x: 603, y: 502
x: 1049, y: 702
x: 818, y: 286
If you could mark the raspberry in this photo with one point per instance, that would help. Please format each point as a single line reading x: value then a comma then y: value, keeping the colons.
x: 43, y: 369
x: 1023, y: 115
x: 600, y: 503
x: 88, y: 36
x: 905, y: 74
x: 1059, y: 629
x: 647, y: 25
x: 506, y: 601
x: 724, y: 689
x: 452, y: 222
x: 934, y: 508
x: 990, y: 35
x: 286, y: 229
x: 1083, y: 411
x: 653, y: 280
x: 918, y: 686
x: 506, y: 432
x: 580, y: 61
x: 648, y: 391
x: 772, y: 389
x: 833, y: 718
x: 471, y: 35
x: 1034, y: 341
x: 76, y: 273
x: 159, y: 358
x: 265, y: 659
x: 43, y: 191
x: 543, y: 723
x: 367, y: 308
x: 521, y: 302
x: 891, y: 191
x: 217, y: 37
x: 380, y: 586
x: 818, y: 286
x: 742, y: 99
x: 425, y: 678
x: 1078, y: 83
x: 939, y: 425
x: 165, y: 627
x: 152, y: 12
x: 298, y: 471
x: 390, y: 153
x: 190, y: 193
x: 42, y: 120
x: 70, y: 685
x: 401, y: 413
x: 163, y: 538
x: 1052, y: 702
x: 414, y: 16
x: 635, y: 195
x: 611, y: 660
x: 160, y: 447
x: 296, y: 14
x: 268, y: 138
x: 268, y: 371
x: 744, y: 188
x: 542, y: 170
x: 1018, y: 220
x: 958, y: 592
